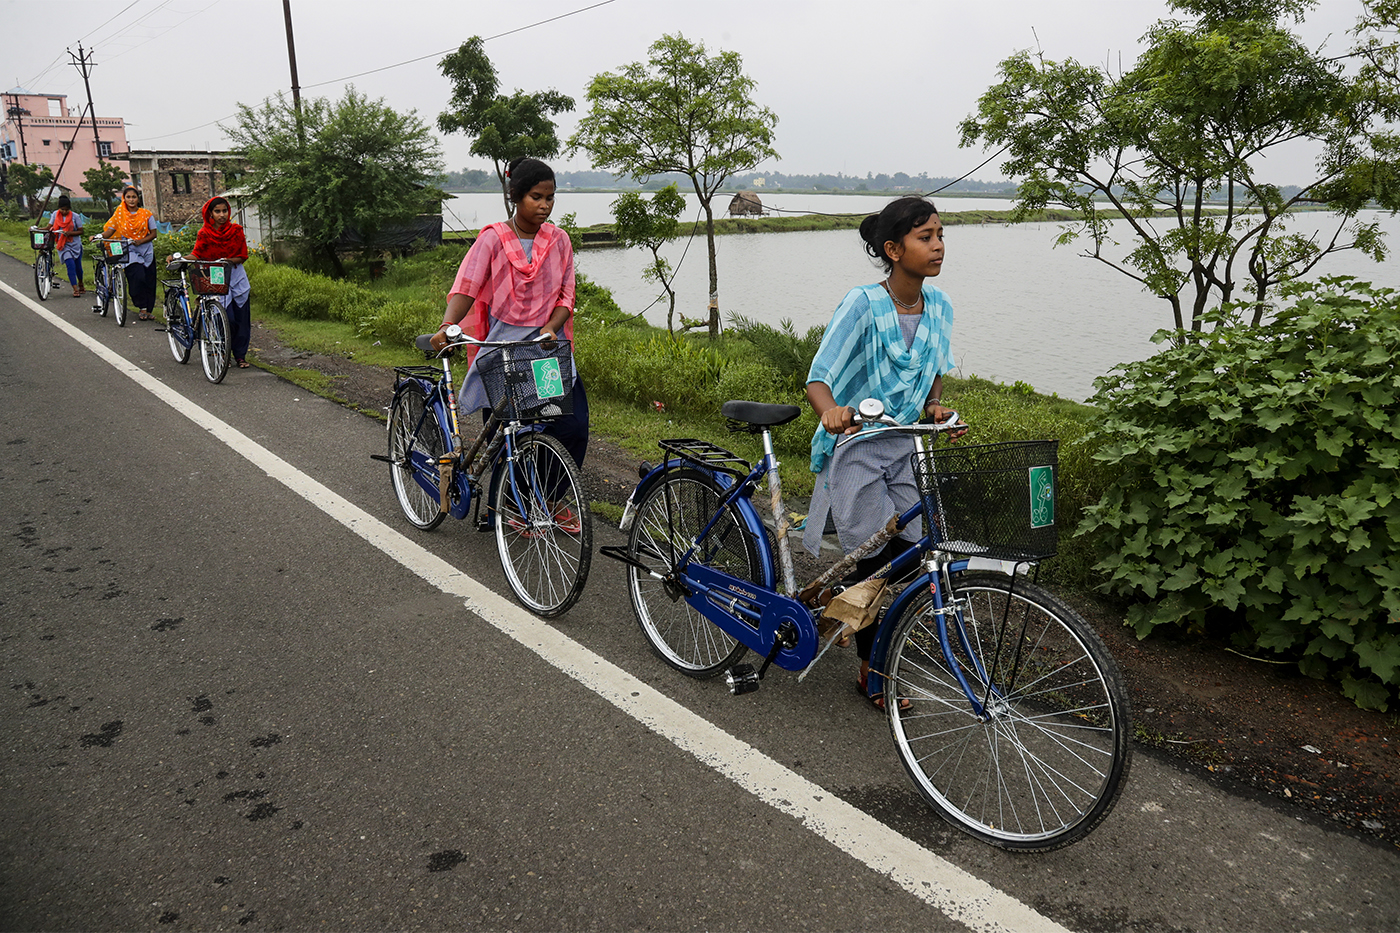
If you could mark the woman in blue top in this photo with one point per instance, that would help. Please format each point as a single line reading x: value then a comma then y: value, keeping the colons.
x: 888, y: 341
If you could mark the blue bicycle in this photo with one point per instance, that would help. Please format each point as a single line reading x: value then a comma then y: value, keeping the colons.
x: 1005, y: 708
x: 207, y: 325
x: 537, y: 506
x: 109, y: 277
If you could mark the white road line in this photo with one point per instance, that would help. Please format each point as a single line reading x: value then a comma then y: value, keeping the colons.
x: 961, y: 896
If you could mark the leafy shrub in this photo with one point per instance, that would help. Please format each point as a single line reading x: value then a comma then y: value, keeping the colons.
x: 1258, y: 487
x: 397, y: 321
x: 780, y: 346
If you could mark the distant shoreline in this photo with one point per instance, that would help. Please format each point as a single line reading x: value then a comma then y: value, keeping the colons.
x: 600, y: 236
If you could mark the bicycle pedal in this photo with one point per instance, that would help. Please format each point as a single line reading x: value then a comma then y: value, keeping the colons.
x: 741, y: 678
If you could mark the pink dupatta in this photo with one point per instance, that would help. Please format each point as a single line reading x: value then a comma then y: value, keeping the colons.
x: 506, y: 286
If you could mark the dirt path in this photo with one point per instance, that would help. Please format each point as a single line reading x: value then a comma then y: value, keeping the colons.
x: 1249, y: 725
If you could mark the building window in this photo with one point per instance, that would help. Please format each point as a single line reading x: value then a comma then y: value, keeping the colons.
x: 180, y: 182
x: 104, y: 149
x: 55, y: 107
x: 46, y: 142
x: 67, y: 144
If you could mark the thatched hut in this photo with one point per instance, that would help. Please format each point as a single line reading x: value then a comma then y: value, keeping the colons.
x: 745, y: 203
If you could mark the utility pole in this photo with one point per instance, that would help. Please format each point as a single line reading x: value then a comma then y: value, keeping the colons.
x: 292, y: 59
x: 84, y: 63
x: 19, y: 113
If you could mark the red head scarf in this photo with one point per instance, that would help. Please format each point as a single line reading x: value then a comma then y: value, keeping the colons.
x: 226, y: 242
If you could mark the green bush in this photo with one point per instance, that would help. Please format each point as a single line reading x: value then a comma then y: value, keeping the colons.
x: 1258, y: 489
x: 397, y: 321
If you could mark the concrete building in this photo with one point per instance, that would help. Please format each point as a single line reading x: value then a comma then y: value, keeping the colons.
x: 40, y: 130
x: 174, y: 185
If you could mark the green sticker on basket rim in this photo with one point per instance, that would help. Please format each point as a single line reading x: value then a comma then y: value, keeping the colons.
x: 114, y: 247
x: 1042, y: 492
x: 216, y: 275
x: 549, y: 381
x: 39, y: 239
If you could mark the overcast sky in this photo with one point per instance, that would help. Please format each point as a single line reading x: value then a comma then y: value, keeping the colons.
x: 857, y: 87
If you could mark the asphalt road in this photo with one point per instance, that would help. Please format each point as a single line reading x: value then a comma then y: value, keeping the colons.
x: 245, y: 694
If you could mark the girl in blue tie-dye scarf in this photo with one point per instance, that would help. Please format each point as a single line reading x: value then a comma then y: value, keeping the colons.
x: 888, y: 341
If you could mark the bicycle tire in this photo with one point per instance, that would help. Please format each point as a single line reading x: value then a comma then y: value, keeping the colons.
x: 544, y: 529
x: 43, y: 274
x: 214, y: 343
x: 669, y: 517
x: 416, y: 441
x: 100, y: 277
x: 177, y: 326
x: 1046, y: 765
x: 116, y: 295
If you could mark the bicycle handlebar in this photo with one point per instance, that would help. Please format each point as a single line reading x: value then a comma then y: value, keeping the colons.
x: 457, y: 338
x: 872, y: 419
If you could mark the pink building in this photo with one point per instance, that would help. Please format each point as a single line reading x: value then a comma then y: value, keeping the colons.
x: 39, y: 130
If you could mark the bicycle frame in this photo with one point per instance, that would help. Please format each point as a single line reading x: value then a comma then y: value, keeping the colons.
x: 782, y: 626
x: 460, y: 469
x: 190, y: 333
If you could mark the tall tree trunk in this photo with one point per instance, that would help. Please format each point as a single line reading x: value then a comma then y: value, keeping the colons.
x: 714, y: 269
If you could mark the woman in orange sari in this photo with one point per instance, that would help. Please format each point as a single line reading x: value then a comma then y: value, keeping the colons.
x: 136, y: 224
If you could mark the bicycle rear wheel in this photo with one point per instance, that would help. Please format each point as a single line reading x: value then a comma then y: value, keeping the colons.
x: 177, y: 326
x: 43, y: 274
x: 544, y: 530
x: 668, y: 519
x: 116, y: 294
x: 214, y: 345
x: 1046, y: 763
x: 416, y: 441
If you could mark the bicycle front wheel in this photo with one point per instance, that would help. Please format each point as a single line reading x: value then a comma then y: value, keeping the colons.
x: 1045, y: 764
x: 214, y: 347
x: 544, y: 530
x: 177, y: 326
x: 101, y: 275
x: 43, y: 275
x: 669, y: 518
x: 116, y: 294
x: 416, y: 441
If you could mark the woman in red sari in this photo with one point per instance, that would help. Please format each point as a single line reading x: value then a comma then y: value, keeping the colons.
x: 517, y: 283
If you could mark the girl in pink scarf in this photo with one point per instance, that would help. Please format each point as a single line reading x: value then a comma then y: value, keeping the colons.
x: 517, y: 283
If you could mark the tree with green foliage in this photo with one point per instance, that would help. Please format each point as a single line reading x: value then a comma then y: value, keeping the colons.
x: 1256, y: 493
x: 682, y: 111
x: 25, y: 181
x: 651, y: 224
x: 1177, y: 146
x: 362, y: 166
x: 505, y: 127
x: 103, y: 182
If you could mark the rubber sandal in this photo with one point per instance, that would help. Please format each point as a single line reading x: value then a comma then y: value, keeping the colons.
x: 878, y: 700
x: 567, y: 521
x: 243, y: 364
x: 145, y: 316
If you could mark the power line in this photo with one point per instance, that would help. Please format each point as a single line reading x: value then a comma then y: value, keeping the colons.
x: 500, y: 35
x: 410, y: 61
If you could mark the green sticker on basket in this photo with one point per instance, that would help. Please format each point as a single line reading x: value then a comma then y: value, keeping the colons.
x: 39, y: 241
x: 216, y: 275
x: 1042, y: 496
x: 549, y: 382
x: 115, y: 247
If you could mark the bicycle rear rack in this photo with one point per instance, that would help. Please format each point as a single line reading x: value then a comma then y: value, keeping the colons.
x: 708, y: 455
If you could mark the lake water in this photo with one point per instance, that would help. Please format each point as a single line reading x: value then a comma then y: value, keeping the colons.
x: 1025, y: 310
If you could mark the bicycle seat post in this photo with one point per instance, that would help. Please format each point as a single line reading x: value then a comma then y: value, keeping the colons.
x: 782, y: 524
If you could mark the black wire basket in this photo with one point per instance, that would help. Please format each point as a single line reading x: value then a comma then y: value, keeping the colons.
x: 528, y: 381
x: 992, y: 500
x: 40, y: 238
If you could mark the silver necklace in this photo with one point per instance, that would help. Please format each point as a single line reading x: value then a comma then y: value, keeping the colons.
x: 908, y: 307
